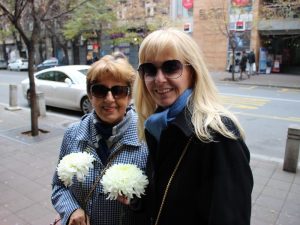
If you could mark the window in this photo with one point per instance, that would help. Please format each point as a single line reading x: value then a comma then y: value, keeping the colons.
x: 50, y: 76
x: 60, y: 77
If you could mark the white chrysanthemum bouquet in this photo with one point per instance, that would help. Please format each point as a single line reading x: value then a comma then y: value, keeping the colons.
x: 124, y: 180
x: 74, y: 164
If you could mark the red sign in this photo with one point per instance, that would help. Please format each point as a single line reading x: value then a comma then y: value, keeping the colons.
x: 95, y: 46
x: 241, y: 3
x: 240, y: 25
x: 187, y: 4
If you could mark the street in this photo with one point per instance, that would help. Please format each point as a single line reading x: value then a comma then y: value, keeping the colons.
x: 264, y: 112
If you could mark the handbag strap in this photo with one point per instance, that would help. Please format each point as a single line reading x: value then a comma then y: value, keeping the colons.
x: 109, y: 163
x: 171, y: 179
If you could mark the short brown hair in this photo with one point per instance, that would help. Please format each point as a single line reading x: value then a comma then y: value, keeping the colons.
x: 110, y: 66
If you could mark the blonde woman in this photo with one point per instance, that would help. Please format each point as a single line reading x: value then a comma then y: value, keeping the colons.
x: 198, y: 163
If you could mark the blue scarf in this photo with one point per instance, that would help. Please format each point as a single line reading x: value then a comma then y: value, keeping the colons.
x: 159, y: 120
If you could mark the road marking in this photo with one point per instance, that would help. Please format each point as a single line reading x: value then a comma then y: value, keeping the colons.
x: 243, y: 102
x: 259, y: 97
x: 285, y: 90
x: 248, y: 87
x: 290, y: 119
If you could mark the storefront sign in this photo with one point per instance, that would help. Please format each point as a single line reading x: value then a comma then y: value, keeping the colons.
x: 187, y: 27
x: 240, y: 26
x: 187, y: 3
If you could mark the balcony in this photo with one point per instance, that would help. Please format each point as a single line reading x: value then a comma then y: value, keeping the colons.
x: 279, y: 17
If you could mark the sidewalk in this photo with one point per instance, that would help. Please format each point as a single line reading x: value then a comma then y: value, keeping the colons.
x: 267, y: 80
x: 27, y: 164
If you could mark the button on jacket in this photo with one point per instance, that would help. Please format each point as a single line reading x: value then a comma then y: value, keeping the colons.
x: 82, y: 137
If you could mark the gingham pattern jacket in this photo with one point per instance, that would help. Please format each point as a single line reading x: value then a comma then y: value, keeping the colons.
x: 82, y: 136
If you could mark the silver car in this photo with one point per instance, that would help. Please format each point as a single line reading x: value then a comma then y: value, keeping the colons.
x: 18, y: 64
x: 63, y: 87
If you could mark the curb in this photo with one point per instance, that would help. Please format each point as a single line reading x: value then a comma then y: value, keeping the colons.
x: 228, y: 80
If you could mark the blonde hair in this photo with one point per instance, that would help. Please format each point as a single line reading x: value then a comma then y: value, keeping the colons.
x: 110, y: 66
x: 204, y: 104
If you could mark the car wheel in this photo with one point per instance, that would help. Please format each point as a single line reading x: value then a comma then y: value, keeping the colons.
x: 85, y: 105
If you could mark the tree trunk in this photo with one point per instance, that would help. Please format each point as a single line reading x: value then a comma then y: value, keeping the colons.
x: 5, y: 56
x: 99, y: 34
x: 233, y: 64
x: 66, y: 52
x: 33, y: 99
x: 41, y: 51
x: 75, y: 51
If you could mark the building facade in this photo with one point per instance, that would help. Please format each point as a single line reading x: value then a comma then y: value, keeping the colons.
x: 269, y: 27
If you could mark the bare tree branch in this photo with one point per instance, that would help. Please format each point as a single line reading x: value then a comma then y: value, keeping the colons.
x: 65, y: 12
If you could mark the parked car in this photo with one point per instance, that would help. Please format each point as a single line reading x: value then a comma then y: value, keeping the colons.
x: 18, y: 64
x: 63, y: 87
x: 48, y: 63
x: 3, y: 64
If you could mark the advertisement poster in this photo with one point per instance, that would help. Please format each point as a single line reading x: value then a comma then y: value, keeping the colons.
x: 188, y: 4
x: 242, y: 40
x: 241, y: 3
x: 240, y: 6
x: 262, y: 60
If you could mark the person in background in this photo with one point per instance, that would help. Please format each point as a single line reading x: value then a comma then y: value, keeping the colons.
x: 230, y: 62
x: 89, y: 58
x: 198, y: 163
x: 243, y: 64
x: 109, y: 133
x: 251, y: 61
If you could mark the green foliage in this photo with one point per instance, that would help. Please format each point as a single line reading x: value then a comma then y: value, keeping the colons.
x: 95, y: 15
x: 6, y: 30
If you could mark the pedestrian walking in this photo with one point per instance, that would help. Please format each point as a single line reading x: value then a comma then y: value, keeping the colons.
x: 198, y: 164
x: 243, y: 64
x: 252, y: 64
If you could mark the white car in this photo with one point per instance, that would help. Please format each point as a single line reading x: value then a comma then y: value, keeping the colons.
x: 18, y: 64
x: 63, y: 87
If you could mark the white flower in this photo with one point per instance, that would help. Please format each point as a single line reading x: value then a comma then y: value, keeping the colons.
x: 77, y: 164
x: 124, y: 179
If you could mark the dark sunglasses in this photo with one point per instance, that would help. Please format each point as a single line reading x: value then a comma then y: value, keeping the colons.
x: 100, y: 91
x: 172, y: 69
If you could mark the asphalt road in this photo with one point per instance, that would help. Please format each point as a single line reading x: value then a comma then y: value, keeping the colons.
x: 264, y: 112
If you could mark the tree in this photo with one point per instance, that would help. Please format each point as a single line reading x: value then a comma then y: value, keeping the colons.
x: 136, y: 20
x: 220, y: 17
x: 89, y: 22
x: 27, y: 17
x: 279, y: 9
x: 5, y: 31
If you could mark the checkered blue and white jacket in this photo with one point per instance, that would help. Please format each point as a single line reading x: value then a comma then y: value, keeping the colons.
x: 82, y: 136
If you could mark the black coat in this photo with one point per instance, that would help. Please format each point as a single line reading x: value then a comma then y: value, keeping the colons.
x: 212, y: 186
